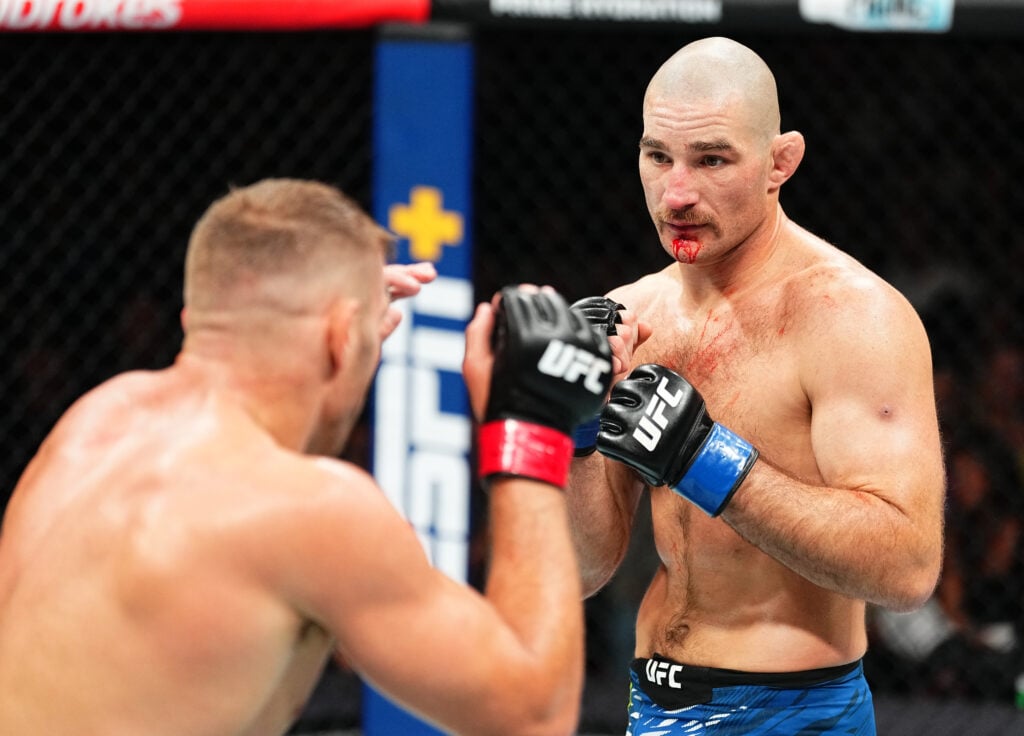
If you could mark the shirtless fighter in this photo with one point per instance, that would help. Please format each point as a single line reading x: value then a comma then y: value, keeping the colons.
x: 782, y: 414
x: 175, y: 561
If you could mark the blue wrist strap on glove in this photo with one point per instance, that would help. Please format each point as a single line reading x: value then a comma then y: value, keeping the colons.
x: 717, y: 470
x: 585, y: 436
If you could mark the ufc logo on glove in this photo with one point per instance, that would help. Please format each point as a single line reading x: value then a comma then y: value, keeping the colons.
x: 656, y: 423
x: 648, y: 430
x: 569, y: 363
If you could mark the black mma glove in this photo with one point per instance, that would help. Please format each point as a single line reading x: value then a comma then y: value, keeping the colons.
x: 551, y: 371
x: 603, y: 314
x: 656, y: 423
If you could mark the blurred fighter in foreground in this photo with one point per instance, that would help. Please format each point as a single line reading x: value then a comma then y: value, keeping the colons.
x: 177, y: 560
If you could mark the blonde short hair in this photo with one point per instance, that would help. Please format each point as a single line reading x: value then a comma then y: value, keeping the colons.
x: 284, y: 243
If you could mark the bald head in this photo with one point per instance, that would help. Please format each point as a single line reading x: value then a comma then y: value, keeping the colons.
x: 719, y: 73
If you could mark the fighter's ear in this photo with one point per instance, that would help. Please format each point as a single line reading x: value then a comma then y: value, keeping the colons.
x: 787, y: 153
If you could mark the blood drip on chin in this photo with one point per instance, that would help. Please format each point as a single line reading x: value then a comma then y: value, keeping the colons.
x: 685, y: 250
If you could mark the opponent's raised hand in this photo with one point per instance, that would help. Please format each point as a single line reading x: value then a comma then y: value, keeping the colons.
x: 550, y: 370
x: 403, y: 280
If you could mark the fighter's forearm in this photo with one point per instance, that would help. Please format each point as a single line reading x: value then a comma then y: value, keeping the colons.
x: 532, y: 577
x: 533, y: 584
x: 851, y: 541
x: 601, y: 517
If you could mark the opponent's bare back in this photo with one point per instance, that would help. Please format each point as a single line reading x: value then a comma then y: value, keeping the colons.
x: 154, y: 555
x: 184, y: 551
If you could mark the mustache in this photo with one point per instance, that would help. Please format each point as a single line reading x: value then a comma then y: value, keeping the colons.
x: 684, y: 217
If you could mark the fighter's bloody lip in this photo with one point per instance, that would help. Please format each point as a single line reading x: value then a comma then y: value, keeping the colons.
x: 685, y: 249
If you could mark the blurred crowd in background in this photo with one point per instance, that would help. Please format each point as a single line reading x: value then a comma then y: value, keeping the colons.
x: 111, y: 146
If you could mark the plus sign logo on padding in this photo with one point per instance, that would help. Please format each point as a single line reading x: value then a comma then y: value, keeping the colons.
x: 426, y: 223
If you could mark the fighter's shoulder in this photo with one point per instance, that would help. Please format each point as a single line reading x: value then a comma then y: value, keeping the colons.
x: 335, y: 474
x: 298, y: 497
x: 640, y: 294
x: 328, y: 480
x: 321, y: 511
x: 102, y: 409
x: 342, y: 492
x: 836, y: 290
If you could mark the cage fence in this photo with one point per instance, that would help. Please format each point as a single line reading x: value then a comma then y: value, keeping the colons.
x: 111, y: 145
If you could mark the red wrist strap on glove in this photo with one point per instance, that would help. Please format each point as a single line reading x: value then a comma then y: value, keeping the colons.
x: 511, y: 447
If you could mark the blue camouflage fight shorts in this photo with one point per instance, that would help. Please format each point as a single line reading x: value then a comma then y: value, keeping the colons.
x: 671, y: 699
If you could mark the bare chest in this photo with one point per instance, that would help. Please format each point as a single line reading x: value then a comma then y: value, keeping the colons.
x: 745, y: 364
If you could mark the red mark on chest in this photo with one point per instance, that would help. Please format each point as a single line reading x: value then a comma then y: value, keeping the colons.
x: 685, y: 250
x: 709, y: 350
x: 731, y: 402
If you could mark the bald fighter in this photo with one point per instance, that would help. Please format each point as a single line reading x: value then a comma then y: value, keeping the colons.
x: 177, y: 560
x: 780, y: 412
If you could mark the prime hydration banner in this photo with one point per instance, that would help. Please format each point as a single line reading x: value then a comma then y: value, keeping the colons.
x: 421, y: 419
x: 927, y: 16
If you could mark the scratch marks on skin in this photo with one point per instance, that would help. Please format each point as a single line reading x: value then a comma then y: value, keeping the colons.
x: 709, y: 351
x: 727, y: 406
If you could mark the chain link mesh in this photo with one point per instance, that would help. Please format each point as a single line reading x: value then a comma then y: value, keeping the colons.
x: 112, y: 145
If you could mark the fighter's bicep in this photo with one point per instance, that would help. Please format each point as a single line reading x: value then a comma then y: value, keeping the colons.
x: 362, y: 574
x: 873, y: 420
x: 861, y: 445
x: 437, y: 643
x: 352, y: 550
